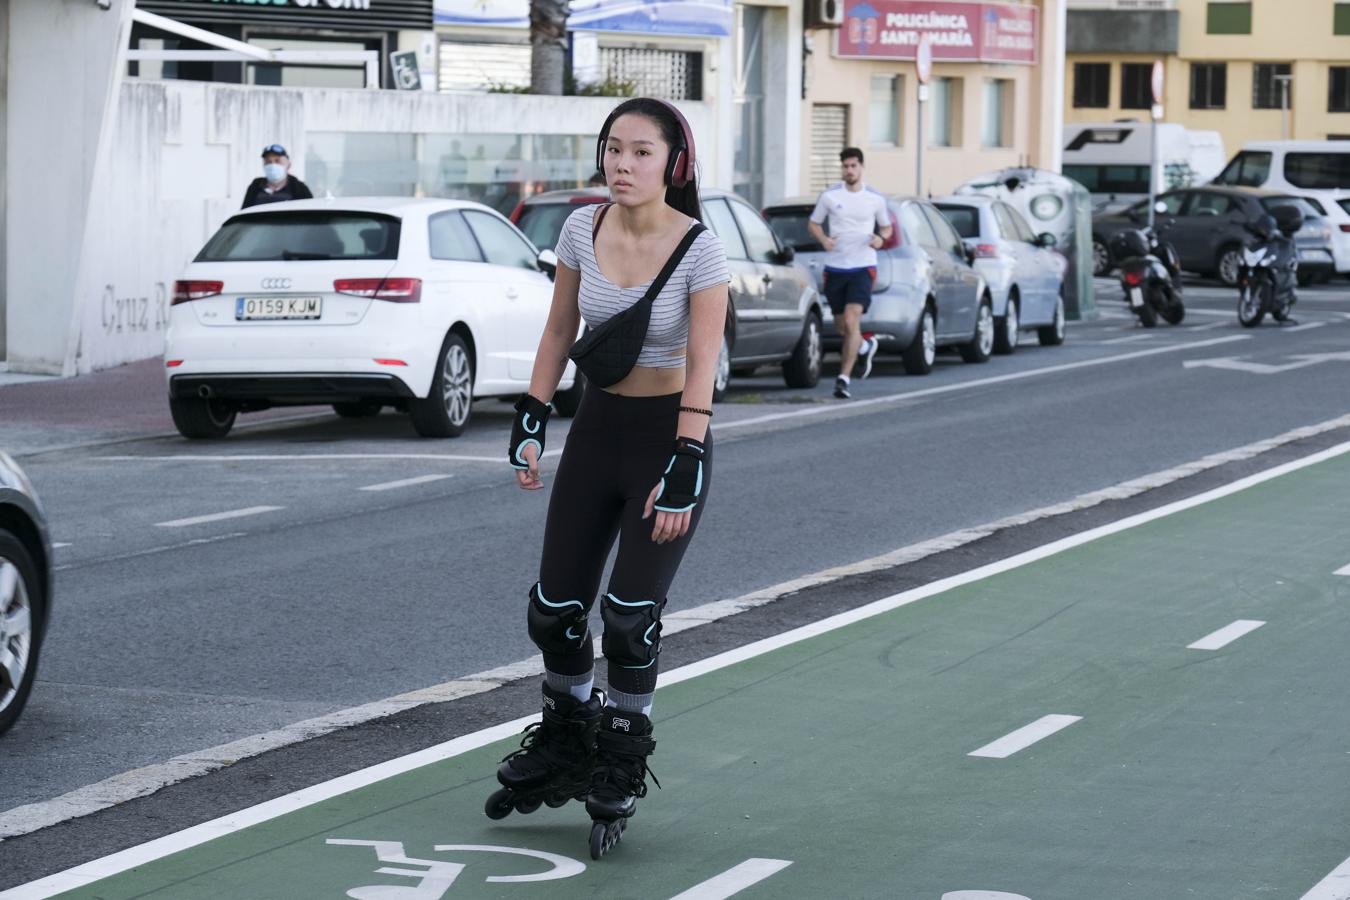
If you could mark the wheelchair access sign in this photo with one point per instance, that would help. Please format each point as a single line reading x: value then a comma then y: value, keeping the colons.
x: 434, y: 877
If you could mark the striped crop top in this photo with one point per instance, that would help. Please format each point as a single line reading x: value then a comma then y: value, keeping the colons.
x: 704, y: 266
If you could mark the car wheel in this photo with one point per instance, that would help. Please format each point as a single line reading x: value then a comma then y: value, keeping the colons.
x: 445, y: 411
x: 1229, y: 265
x: 918, y: 357
x: 1101, y: 258
x: 802, y: 368
x: 21, y: 617
x: 722, y: 377
x: 1008, y: 329
x: 358, y: 409
x: 569, y: 401
x: 981, y: 344
x: 201, y: 419
x: 1052, y: 335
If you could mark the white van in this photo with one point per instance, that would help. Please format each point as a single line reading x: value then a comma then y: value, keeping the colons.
x: 1112, y: 160
x: 1317, y: 170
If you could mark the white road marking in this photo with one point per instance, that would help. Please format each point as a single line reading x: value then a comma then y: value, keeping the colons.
x: 163, y: 548
x: 734, y: 880
x: 307, y: 457
x: 1343, y: 570
x: 1025, y: 736
x: 1306, y: 326
x: 147, y: 780
x: 57, y: 545
x: 218, y: 517
x: 1129, y: 338
x: 1209, y: 327
x: 1225, y: 635
x: 1336, y: 886
x: 1301, y: 361
x: 982, y: 895
x: 405, y: 482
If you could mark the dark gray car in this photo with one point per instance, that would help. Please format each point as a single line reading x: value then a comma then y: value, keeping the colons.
x: 25, y: 588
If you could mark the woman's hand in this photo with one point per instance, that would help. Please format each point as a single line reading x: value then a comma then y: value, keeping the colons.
x: 669, y: 525
x: 529, y: 479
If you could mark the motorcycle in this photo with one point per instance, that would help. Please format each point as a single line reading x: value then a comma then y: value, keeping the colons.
x: 1150, y: 276
x: 1268, y: 273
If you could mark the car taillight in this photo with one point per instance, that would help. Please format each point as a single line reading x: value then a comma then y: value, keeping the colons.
x: 1133, y: 279
x: 395, y: 290
x: 986, y: 251
x: 183, y: 291
x: 515, y: 213
x: 1345, y: 227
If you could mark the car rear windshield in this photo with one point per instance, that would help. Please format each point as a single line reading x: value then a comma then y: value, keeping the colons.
x: 790, y: 224
x: 1250, y: 168
x: 321, y: 234
x: 1113, y: 179
x: 543, y: 222
x: 1318, y: 171
x: 965, y: 219
x: 1344, y: 204
x: 1303, y: 205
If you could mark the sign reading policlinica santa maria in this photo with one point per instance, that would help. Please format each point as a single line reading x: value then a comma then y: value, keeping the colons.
x: 957, y: 32
x: 349, y: 14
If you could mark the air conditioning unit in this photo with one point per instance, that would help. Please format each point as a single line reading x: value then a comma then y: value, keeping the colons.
x: 824, y: 13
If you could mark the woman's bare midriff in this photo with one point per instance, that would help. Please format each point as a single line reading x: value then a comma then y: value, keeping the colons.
x: 645, y: 381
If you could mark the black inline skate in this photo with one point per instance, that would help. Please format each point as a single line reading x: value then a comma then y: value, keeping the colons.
x: 622, y: 743
x: 555, y: 759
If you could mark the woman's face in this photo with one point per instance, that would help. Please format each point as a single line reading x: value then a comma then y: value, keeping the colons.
x: 635, y: 160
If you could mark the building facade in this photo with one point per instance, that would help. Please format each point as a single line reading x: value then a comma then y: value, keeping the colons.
x: 1248, y: 70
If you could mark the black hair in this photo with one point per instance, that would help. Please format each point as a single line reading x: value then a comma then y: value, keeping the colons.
x: 684, y: 199
x: 851, y: 153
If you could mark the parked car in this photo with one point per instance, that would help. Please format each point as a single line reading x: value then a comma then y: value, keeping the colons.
x: 775, y: 314
x: 1208, y: 226
x: 25, y: 589
x: 1025, y: 276
x: 421, y: 305
x: 1318, y: 171
x: 926, y: 294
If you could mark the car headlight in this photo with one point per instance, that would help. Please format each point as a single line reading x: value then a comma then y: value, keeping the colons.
x: 1046, y: 206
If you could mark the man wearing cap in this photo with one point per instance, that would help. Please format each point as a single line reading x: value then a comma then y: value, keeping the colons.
x: 277, y: 183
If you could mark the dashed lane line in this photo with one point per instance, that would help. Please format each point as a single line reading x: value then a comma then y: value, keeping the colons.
x: 218, y: 517
x: 1343, y: 570
x: 1025, y: 736
x: 1226, y: 635
x: 57, y: 545
x: 273, y: 457
x: 1336, y: 886
x: 196, y: 764
x: 734, y: 880
x: 405, y: 482
x: 1129, y: 338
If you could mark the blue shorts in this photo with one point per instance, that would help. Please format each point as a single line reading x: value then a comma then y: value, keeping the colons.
x: 843, y: 288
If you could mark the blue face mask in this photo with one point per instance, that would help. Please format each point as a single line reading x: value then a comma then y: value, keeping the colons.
x: 274, y: 172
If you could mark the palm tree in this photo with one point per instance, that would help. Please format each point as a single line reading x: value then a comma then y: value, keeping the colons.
x: 548, y: 45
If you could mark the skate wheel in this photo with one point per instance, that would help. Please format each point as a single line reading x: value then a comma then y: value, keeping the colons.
x: 557, y: 802
x: 525, y: 807
x: 499, y: 804
x: 604, y: 835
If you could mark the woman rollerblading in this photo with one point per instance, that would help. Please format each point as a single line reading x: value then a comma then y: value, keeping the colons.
x: 555, y: 759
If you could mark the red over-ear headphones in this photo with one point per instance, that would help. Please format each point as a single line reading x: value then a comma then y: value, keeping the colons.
x: 680, y: 170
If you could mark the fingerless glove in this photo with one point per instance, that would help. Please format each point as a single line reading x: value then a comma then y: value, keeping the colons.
x: 682, y: 483
x: 527, y: 428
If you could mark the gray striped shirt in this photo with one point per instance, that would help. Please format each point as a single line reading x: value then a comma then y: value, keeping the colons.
x: 704, y: 266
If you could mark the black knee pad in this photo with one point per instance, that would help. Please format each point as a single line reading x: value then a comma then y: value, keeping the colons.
x: 558, y: 627
x: 632, y: 631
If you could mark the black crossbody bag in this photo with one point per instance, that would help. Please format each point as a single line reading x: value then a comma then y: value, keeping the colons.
x: 607, y: 353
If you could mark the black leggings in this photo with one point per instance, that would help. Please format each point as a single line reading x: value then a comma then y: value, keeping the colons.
x: 616, y: 451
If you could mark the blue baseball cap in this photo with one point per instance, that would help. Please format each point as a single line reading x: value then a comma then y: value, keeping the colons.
x: 277, y: 149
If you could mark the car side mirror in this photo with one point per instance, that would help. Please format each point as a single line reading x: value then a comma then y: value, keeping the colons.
x: 1046, y: 239
x: 786, y: 255
x: 548, y: 263
x: 968, y: 254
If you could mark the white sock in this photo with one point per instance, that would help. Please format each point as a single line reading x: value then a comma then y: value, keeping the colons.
x: 843, y: 378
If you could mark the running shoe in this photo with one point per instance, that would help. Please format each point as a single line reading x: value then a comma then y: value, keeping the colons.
x: 866, y: 354
x: 841, y: 389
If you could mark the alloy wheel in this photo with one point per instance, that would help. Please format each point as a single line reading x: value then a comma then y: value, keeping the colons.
x: 929, y: 339
x: 984, y: 329
x: 1012, y: 327
x: 813, y: 352
x: 16, y: 631
x: 457, y: 385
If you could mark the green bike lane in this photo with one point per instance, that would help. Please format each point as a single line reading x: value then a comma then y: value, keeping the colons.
x: 1190, y: 773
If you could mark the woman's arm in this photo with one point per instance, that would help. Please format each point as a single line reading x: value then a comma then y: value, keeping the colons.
x: 560, y: 332
x: 707, y: 322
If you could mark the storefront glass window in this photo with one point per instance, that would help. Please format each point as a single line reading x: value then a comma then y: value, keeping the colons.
x: 883, y: 117
x: 995, y: 116
x: 944, y: 110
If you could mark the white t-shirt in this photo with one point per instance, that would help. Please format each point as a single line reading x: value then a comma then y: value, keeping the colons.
x: 853, y: 216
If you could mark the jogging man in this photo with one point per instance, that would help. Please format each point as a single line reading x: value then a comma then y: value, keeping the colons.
x: 859, y: 225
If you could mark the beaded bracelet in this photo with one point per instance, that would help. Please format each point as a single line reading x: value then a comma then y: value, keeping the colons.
x: 695, y: 409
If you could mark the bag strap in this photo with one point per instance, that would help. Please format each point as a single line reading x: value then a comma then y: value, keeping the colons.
x: 671, y: 264
x: 597, y: 218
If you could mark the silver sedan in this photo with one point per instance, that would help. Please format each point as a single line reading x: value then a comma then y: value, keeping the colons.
x: 25, y: 588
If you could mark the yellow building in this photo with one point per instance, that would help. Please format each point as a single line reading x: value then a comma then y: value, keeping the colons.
x: 993, y: 97
x: 1264, y: 70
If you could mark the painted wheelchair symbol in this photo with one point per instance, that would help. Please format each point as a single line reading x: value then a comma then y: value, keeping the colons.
x: 435, y: 876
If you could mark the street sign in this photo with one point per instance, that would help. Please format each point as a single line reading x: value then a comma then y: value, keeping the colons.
x: 924, y: 60
x: 406, y: 76
x: 1157, y: 81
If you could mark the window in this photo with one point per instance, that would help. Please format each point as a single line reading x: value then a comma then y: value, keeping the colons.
x: 1338, y: 88
x: 915, y: 226
x: 1136, y: 86
x: 724, y: 226
x: 996, y: 115
x: 1209, y: 85
x: 1006, y: 227
x: 1226, y: 17
x: 790, y: 224
x: 501, y: 244
x: 965, y: 219
x: 1340, y: 19
x: 1106, y: 179
x: 1318, y: 171
x: 1024, y: 231
x: 758, y: 238
x: 1092, y: 85
x: 944, y: 110
x: 449, y: 237
x: 1305, y: 205
x: 883, y: 116
x: 1205, y: 203
x: 947, y: 238
x: 1269, y: 82
x: 543, y: 222
x: 303, y: 235
x: 1250, y: 168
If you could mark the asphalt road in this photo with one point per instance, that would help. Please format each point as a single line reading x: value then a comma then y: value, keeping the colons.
x: 171, y: 638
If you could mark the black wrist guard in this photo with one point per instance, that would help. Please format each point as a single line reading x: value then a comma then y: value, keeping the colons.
x: 527, y: 428
x: 683, y: 481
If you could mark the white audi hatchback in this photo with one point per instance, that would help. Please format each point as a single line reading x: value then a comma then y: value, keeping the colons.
x: 422, y: 305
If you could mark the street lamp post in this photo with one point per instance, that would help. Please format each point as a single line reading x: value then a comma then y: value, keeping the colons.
x: 923, y: 65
